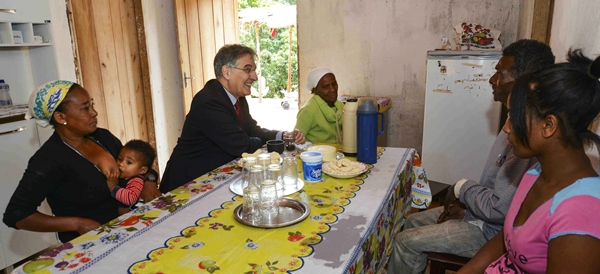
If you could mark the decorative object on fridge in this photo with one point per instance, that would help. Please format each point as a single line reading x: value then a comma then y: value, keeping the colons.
x: 473, y: 36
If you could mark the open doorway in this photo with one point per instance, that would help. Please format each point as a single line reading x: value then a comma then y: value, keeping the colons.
x: 269, y: 27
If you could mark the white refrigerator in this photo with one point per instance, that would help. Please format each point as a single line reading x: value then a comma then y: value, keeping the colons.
x: 461, y: 118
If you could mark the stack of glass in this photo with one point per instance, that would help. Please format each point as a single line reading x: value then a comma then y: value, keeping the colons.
x: 264, y: 184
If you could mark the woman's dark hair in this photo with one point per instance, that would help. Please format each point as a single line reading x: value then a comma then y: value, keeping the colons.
x: 61, y: 106
x: 148, y: 154
x: 570, y: 91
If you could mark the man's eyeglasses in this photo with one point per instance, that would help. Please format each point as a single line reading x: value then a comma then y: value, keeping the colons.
x: 247, y: 70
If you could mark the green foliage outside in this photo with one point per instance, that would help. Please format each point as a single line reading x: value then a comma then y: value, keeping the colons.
x: 274, y: 51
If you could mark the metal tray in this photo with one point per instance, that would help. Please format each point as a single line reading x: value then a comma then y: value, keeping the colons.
x: 290, y: 211
x: 236, y: 187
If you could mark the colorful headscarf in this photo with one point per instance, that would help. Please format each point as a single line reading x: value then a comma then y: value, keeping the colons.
x: 315, y: 76
x: 45, y: 99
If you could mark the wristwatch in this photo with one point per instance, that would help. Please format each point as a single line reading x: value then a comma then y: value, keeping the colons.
x: 150, y: 177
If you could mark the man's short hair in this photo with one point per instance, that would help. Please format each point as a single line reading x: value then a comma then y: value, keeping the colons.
x: 530, y: 56
x: 228, y: 55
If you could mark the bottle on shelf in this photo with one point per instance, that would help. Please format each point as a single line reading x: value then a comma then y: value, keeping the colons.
x: 5, y: 99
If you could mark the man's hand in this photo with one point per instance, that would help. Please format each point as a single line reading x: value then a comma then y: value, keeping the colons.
x: 452, y: 209
x: 299, y: 137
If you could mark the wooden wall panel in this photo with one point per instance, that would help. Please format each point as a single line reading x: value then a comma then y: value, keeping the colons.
x: 195, y: 51
x: 108, y: 46
x: 108, y: 67
x: 203, y: 27
x: 184, y: 53
x: 542, y: 20
x: 89, y: 60
x: 207, y: 37
x: 230, y: 22
x: 134, y: 71
x: 218, y: 24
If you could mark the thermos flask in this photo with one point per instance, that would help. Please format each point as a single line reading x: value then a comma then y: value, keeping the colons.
x: 349, y: 128
x: 367, y: 131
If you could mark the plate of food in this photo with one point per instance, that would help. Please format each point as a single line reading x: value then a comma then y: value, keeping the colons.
x: 274, y: 157
x: 344, y: 168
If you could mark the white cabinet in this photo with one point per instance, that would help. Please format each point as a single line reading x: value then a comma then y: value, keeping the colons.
x: 24, y: 67
x: 19, y: 141
x: 31, y: 11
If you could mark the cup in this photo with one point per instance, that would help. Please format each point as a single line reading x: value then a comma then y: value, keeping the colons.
x: 289, y: 174
x: 312, y: 164
x: 264, y: 159
x: 288, y: 139
x: 274, y: 174
x: 275, y: 145
x: 268, y: 198
x: 251, y: 206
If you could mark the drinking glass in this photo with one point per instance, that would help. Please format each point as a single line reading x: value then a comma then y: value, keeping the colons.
x: 268, y: 199
x: 247, y: 163
x: 264, y: 159
x: 251, y: 201
x: 288, y: 139
x: 289, y: 174
x: 274, y: 174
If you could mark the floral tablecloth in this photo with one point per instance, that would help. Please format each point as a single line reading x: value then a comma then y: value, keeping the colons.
x: 191, y: 229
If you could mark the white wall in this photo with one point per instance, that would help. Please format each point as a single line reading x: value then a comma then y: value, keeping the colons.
x: 378, y: 48
x: 576, y: 24
x: 63, y: 43
x: 165, y: 75
x: 63, y: 46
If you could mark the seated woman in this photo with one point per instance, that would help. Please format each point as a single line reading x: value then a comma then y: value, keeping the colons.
x: 552, y: 223
x: 70, y: 169
x: 321, y: 115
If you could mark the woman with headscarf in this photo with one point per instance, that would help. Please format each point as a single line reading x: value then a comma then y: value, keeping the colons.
x: 320, y: 117
x: 70, y: 169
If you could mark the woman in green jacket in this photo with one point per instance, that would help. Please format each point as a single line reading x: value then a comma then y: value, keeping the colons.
x: 321, y: 115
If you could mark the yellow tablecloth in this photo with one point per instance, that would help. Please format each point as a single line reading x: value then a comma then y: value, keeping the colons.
x: 192, y: 230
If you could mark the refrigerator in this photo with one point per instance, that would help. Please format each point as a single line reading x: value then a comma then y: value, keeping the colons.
x: 461, y: 119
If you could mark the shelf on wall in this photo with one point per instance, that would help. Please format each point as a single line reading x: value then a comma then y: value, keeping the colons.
x: 25, y: 45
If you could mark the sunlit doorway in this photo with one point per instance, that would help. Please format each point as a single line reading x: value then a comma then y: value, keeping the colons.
x: 269, y: 27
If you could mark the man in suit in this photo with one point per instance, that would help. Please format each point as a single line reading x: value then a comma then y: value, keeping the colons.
x: 219, y: 127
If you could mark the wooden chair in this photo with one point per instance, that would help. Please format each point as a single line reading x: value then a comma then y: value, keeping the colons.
x: 440, y: 262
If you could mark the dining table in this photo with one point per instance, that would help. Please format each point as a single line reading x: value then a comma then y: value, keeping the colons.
x: 192, y: 229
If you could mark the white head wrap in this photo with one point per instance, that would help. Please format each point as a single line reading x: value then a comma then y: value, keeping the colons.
x: 314, y: 76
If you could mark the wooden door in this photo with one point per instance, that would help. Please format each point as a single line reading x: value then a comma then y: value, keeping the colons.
x: 203, y: 27
x: 109, y: 42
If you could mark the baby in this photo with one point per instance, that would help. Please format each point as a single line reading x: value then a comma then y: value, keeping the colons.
x: 135, y: 158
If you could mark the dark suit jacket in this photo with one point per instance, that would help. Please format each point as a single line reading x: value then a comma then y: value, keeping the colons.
x: 211, y: 137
